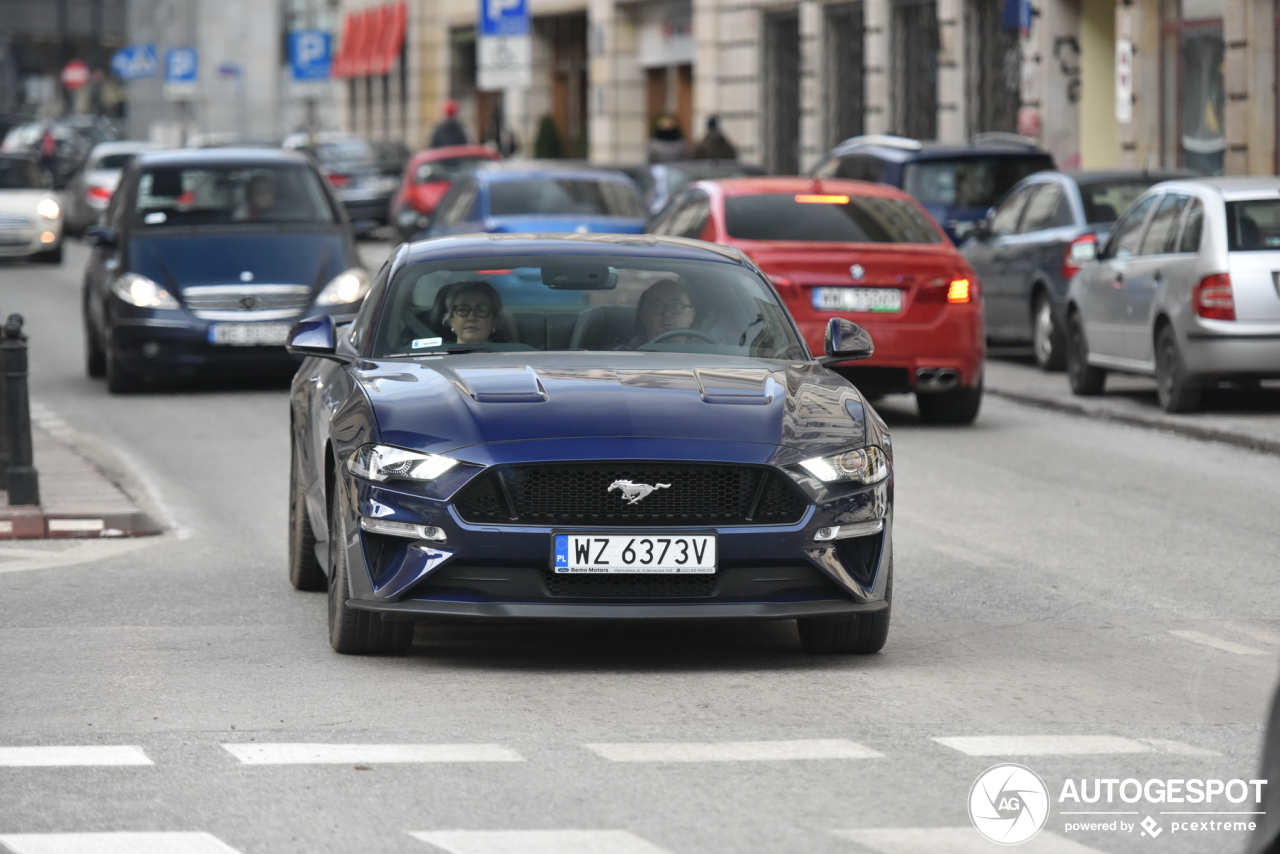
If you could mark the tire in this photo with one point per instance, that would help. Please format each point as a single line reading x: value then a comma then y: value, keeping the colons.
x: 305, y: 572
x: 1177, y: 389
x: 1085, y: 379
x: 52, y: 256
x: 95, y: 358
x: 352, y: 631
x: 954, y: 406
x: 120, y: 380
x: 1047, y: 339
x: 859, y: 634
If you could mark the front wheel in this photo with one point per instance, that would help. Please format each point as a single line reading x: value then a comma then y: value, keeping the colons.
x: 859, y: 634
x: 353, y: 631
x: 1046, y: 336
x: 95, y: 358
x: 120, y: 380
x: 1177, y: 389
x: 953, y: 406
x: 1085, y: 379
x: 305, y: 572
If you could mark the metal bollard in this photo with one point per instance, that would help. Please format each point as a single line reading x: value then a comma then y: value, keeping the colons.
x: 21, y: 477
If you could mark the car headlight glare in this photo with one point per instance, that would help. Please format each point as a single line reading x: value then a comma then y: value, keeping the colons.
x: 48, y: 209
x: 345, y: 288
x: 383, y: 463
x: 142, y: 292
x: 863, y: 465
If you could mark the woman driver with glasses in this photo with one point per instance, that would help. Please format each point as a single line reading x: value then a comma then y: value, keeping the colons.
x: 471, y: 311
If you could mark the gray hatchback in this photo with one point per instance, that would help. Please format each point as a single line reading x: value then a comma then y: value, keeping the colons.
x: 1186, y: 289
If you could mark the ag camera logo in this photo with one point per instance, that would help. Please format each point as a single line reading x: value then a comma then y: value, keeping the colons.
x: 1008, y: 804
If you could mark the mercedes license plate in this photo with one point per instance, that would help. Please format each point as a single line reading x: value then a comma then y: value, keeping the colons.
x: 248, y: 334
x: 666, y: 554
x: 857, y: 299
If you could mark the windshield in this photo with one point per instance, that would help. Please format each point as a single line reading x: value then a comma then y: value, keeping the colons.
x: 597, y: 303
x: 1105, y: 202
x: 1253, y: 225
x: 448, y: 168
x: 19, y: 173
x: 559, y: 196
x: 827, y: 218
x: 204, y: 195
x: 970, y: 182
x: 347, y: 151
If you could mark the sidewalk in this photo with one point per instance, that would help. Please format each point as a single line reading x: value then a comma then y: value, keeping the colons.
x: 78, y: 500
x: 1245, y: 418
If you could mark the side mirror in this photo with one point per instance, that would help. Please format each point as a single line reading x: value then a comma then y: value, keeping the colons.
x: 314, y: 336
x: 845, y: 341
x: 101, y: 235
x: 408, y: 220
x: 1082, y: 252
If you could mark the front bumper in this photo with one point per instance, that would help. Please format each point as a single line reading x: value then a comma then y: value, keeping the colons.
x: 24, y: 242
x: 764, y: 572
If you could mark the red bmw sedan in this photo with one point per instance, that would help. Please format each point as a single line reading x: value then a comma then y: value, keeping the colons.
x: 867, y: 252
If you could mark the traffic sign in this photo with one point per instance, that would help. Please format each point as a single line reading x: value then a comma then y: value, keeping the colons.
x: 75, y: 74
x: 181, y: 70
x: 504, y: 48
x: 504, y: 17
x: 135, y: 62
x: 310, y: 54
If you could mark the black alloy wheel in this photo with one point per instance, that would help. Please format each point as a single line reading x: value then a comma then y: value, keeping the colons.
x: 1086, y: 380
x: 351, y: 630
x: 305, y: 572
x: 95, y: 358
x: 1177, y: 389
x: 1049, y: 343
x: 954, y: 406
x: 859, y: 634
x: 120, y: 380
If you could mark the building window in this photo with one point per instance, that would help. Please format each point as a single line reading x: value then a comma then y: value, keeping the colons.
x: 1193, y: 103
x: 782, y: 93
x: 994, y: 58
x: 845, y: 84
x: 914, y: 33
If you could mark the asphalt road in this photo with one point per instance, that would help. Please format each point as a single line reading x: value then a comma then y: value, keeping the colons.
x: 1096, y: 588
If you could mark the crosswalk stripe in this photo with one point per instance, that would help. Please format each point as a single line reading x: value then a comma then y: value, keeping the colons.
x: 115, y: 843
x: 1216, y: 643
x: 734, y: 751
x: 1058, y: 745
x: 538, y: 842
x: 955, y: 840
x: 50, y: 756
x: 373, y: 754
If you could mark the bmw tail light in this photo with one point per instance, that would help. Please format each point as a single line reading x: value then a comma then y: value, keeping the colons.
x: 785, y: 286
x: 339, y: 180
x: 959, y: 290
x: 98, y: 194
x: 1079, y: 252
x: 1213, y: 299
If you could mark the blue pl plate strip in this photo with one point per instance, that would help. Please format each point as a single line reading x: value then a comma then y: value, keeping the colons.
x: 562, y: 553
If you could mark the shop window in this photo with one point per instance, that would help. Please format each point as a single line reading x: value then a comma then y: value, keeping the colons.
x: 1193, y: 105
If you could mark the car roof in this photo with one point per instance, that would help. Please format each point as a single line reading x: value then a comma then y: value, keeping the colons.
x: 1240, y: 187
x: 449, y: 151
x: 124, y: 146
x: 566, y: 245
x: 1116, y: 176
x: 764, y: 185
x: 903, y: 149
x: 525, y: 169
x: 218, y: 156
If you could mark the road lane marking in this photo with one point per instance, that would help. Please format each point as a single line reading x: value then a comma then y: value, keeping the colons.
x: 538, y: 842
x: 1042, y: 745
x: 1216, y: 643
x: 1166, y: 745
x: 734, y: 751
x: 64, y: 755
x: 955, y: 840
x: 1261, y: 635
x: 115, y: 843
x: 371, y: 754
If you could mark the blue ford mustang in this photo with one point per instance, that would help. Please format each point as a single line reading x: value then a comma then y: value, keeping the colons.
x: 584, y: 426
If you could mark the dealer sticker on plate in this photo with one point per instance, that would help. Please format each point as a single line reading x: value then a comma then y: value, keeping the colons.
x: 249, y: 334
x: 666, y: 554
x: 857, y: 299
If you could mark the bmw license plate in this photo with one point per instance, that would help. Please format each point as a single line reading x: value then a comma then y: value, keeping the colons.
x: 249, y: 334
x: 666, y: 554
x: 857, y: 299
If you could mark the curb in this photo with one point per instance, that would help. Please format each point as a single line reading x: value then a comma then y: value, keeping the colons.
x: 1192, y: 431
x: 32, y: 522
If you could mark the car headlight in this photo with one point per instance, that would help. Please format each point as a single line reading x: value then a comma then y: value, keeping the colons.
x: 48, y: 209
x: 347, y: 287
x: 383, y: 463
x: 864, y: 465
x: 142, y: 292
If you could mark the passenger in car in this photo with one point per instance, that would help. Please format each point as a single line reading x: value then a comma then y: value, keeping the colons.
x: 471, y: 311
x: 664, y: 307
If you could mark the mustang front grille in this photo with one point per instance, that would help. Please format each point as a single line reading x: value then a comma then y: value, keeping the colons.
x: 601, y: 494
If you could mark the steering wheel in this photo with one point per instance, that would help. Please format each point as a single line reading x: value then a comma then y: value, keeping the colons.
x: 676, y: 333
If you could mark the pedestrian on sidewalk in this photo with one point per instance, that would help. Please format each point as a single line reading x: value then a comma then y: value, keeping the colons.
x: 668, y: 142
x: 715, y: 145
x: 448, y: 131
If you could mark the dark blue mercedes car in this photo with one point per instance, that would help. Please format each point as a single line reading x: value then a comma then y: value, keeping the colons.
x: 585, y: 427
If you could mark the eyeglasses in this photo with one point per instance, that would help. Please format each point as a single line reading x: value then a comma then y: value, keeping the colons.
x: 464, y: 310
x: 667, y: 308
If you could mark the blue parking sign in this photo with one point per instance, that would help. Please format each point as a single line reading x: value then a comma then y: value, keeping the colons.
x: 310, y: 54
x: 181, y: 65
x: 504, y: 17
x: 135, y: 62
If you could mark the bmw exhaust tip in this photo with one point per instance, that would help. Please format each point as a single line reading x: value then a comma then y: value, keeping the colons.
x: 936, y: 379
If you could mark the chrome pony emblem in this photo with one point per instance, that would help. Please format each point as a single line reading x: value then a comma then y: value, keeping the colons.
x: 633, y: 492
x: 857, y: 272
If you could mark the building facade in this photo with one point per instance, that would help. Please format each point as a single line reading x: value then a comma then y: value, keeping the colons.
x: 1099, y: 83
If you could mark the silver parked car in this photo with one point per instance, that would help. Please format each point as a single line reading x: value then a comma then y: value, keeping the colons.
x: 1186, y: 289
x: 89, y: 192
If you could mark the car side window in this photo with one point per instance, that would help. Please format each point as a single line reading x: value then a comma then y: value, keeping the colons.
x: 1192, y: 226
x: 1127, y: 235
x: 859, y: 167
x: 1042, y: 210
x: 1007, y: 215
x: 459, y: 205
x: 691, y: 219
x: 663, y: 223
x: 1164, y: 225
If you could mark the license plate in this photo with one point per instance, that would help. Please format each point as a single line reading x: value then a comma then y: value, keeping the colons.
x: 857, y: 299
x: 666, y: 554
x: 248, y: 334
